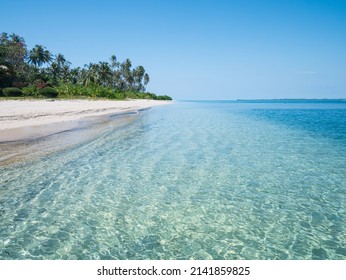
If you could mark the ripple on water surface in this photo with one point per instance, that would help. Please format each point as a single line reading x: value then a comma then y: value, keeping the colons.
x: 187, y: 181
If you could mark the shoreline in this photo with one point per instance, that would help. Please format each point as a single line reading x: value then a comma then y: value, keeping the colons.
x: 32, y: 119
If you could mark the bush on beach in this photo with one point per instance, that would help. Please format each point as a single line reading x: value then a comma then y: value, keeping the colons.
x: 12, y: 92
x: 30, y: 90
x: 48, y: 92
x: 67, y: 90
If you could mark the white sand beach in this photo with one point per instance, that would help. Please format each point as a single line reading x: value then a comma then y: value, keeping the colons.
x: 17, y: 115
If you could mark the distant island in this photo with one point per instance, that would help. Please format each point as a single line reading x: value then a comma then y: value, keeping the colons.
x: 38, y: 73
x: 284, y: 100
x: 292, y: 100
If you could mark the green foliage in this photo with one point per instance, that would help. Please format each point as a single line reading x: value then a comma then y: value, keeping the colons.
x: 146, y: 95
x: 91, y: 90
x: 12, y: 92
x: 71, y: 90
x: 6, y: 76
x: 20, y: 67
x: 39, y: 55
x: 119, y: 95
x: 48, y: 92
x: 163, y: 97
x: 30, y: 90
x: 13, y: 52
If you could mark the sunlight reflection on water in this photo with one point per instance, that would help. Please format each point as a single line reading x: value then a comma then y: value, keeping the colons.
x: 189, y: 181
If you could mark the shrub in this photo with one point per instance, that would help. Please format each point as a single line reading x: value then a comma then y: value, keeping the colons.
x: 131, y: 94
x: 12, y: 91
x: 149, y: 95
x: 163, y: 97
x: 117, y: 95
x: 48, y: 92
x: 30, y: 90
x: 68, y: 90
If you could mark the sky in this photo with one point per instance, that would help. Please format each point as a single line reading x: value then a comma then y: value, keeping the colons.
x: 198, y: 49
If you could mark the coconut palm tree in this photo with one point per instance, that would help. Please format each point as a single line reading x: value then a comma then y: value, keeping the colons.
x: 59, y: 68
x: 146, y: 79
x: 88, y: 74
x: 75, y: 75
x: 114, y: 62
x: 60, y: 59
x: 126, y: 74
x: 104, y: 73
x: 39, y: 55
x: 16, y: 39
x: 137, y: 75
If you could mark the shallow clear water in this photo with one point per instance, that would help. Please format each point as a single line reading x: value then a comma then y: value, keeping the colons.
x: 216, y: 180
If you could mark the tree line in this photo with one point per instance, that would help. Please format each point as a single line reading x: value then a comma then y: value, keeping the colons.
x: 27, y: 72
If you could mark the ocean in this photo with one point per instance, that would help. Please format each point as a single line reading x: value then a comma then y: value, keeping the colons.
x: 192, y: 180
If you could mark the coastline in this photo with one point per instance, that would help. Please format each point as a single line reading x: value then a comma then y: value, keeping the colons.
x: 29, y: 119
x: 31, y: 129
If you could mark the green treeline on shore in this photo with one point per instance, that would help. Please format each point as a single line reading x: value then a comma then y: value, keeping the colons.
x: 38, y: 73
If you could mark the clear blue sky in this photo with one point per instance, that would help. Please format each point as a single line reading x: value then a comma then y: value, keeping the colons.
x: 199, y: 49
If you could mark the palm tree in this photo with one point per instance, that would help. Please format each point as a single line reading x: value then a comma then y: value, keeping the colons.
x: 138, y: 74
x: 54, y: 72
x: 39, y: 55
x: 114, y: 62
x: 16, y: 39
x: 88, y: 74
x: 59, y: 68
x: 146, y: 79
x: 60, y: 60
x: 65, y: 71
x: 126, y: 73
x: 75, y: 75
x: 104, y: 73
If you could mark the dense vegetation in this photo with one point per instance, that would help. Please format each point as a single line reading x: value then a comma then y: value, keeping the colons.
x: 37, y: 72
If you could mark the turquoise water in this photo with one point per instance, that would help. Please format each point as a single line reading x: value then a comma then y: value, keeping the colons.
x: 192, y: 180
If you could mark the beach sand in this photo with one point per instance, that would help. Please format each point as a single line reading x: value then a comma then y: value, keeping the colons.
x: 31, y: 129
x: 23, y: 119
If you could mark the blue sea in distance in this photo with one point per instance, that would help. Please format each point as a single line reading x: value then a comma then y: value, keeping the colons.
x: 191, y: 180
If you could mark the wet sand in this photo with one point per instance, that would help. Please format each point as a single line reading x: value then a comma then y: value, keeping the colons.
x: 27, y: 119
x: 32, y: 129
